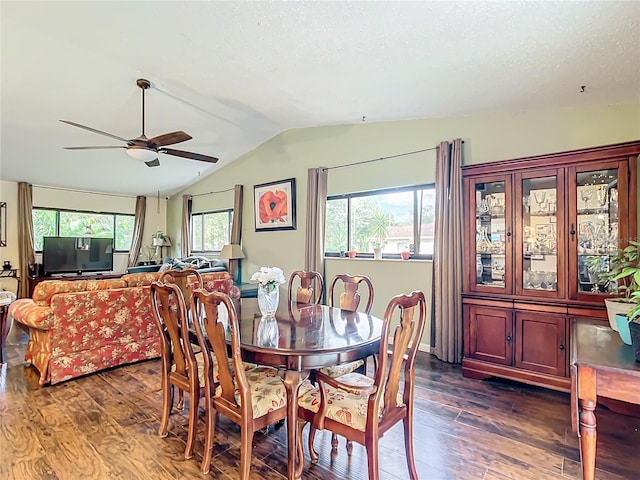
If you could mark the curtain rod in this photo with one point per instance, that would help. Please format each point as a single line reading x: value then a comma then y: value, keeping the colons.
x: 382, y: 158
x: 211, y: 193
x: 85, y: 191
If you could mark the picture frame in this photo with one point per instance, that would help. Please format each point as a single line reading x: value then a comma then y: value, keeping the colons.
x: 274, y: 205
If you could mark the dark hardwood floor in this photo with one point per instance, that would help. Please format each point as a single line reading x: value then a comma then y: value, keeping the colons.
x: 104, y: 426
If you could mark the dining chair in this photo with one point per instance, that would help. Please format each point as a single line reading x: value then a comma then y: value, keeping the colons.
x: 253, y: 398
x: 305, y: 291
x: 362, y: 408
x: 184, y: 279
x: 349, y: 300
x: 181, y: 367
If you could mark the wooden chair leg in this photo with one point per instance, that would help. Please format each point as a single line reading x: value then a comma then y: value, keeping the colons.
x: 408, y: 446
x: 300, y: 449
x: 334, y: 442
x: 246, y: 437
x: 167, y: 403
x: 180, y: 404
x: 372, y: 458
x: 209, y: 435
x: 194, y: 398
x: 312, y: 452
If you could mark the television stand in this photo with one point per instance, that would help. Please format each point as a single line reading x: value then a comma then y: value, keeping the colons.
x: 33, y: 281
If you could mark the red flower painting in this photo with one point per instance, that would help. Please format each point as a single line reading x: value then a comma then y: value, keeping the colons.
x: 273, y: 206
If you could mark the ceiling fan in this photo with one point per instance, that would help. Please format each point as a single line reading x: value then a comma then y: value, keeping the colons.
x: 147, y: 149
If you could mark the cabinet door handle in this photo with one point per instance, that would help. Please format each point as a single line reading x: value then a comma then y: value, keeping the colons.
x: 508, y: 338
x: 573, y: 229
x: 561, y: 347
x: 508, y: 234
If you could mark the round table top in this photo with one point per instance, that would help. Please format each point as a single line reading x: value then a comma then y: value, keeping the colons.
x: 307, y: 336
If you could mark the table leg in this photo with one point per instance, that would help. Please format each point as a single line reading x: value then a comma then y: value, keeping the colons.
x: 588, y: 438
x: 292, y: 380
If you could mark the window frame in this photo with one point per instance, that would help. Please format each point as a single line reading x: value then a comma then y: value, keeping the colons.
x: 383, y: 191
x: 229, y: 211
x: 91, y: 212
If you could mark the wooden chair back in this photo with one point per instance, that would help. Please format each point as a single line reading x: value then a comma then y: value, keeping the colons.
x: 218, y: 333
x: 349, y: 297
x: 170, y: 313
x: 179, y: 362
x: 211, y: 329
x: 184, y: 279
x: 405, y: 333
x: 305, y: 287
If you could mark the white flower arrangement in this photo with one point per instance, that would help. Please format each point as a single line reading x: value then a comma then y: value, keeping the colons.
x: 269, y: 277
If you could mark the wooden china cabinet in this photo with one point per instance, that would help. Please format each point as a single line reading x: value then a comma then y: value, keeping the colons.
x: 538, y: 232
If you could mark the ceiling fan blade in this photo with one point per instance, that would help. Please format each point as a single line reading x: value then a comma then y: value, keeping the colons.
x: 170, y: 138
x: 153, y: 163
x: 192, y: 156
x: 91, y: 148
x: 95, y: 131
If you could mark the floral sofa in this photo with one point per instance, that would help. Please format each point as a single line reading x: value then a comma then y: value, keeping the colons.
x: 77, y: 327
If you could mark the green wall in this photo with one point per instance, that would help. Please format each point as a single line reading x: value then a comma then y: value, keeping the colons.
x: 291, y: 153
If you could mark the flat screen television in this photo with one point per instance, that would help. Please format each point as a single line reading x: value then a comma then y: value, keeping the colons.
x: 76, y: 254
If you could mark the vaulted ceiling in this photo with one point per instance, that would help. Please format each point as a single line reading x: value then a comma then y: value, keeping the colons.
x: 234, y: 74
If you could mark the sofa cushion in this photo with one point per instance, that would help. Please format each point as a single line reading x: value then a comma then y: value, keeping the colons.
x: 43, y: 291
x: 140, y: 279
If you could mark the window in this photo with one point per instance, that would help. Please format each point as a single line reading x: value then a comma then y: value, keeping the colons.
x: 71, y: 223
x: 210, y: 231
x: 384, y: 219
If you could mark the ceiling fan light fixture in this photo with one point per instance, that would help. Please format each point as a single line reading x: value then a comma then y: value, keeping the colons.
x: 142, y: 154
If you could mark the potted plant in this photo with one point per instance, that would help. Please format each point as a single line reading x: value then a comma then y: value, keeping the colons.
x: 624, y: 278
x: 377, y: 244
x: 147, y: 255
x: 158, y: 238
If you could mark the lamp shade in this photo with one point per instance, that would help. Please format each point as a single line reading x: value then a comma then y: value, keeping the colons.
x: 142, y: 154
x: 230, y: 252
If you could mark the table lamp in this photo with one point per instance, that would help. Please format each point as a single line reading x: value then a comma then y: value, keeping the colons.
x: 233, y: 252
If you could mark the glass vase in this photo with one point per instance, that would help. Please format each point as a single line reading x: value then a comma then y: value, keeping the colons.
x: 268, y: 298
x: 268, y: 332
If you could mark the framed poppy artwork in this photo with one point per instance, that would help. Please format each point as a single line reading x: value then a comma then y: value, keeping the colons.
x: 274, y: 205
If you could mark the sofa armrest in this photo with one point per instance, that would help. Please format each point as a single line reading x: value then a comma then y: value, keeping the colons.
x: 27, y: 312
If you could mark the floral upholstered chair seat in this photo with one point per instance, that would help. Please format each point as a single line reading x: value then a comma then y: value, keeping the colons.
x: 267, y: 390
x: 343, y: 407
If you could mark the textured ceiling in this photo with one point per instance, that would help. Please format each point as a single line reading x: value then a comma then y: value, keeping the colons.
x: 234, y: 74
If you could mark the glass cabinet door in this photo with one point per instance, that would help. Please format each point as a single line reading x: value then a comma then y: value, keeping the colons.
x: 539, y: 230
x: 492, y: 256
x: 594, y: 228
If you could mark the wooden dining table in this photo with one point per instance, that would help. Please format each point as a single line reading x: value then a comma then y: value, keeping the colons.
x: 301, y: 338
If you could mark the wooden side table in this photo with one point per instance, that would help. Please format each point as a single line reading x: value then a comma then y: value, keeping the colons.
x: 601, y: 366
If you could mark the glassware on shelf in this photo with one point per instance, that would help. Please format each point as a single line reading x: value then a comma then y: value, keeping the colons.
x: 483, y: 244
x: 613, y: 197
x: 483, y: 205
x: 540, y: 196
x: 526, y: 203
x: 601, y: 195
x: 585, y: 194
x: 549, y: 280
